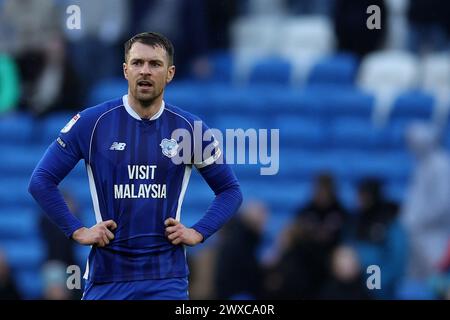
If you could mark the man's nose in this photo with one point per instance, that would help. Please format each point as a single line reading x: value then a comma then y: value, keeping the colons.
x: 146, y: 68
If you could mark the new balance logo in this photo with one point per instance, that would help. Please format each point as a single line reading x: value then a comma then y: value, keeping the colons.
x: 120, y: 146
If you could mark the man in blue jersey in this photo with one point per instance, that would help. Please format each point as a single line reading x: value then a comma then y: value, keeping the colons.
x: 137, y: 189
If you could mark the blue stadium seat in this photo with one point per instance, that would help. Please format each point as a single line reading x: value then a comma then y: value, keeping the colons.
x: 388, y: 166
x: 292, y: 101
x: 301, y: 131
x: 221, y: 66
x: 18, y: 223
x: 238, y: 121
x: 339, y: 69
x: 19, y: 161
x: 396, y: 133
x: 87, y: 214
x: 16, y: 128
x: 413, y: 105
x: 198, y: 195
x: 271, y: 70
x: 77, y: 186
x: 15, y: 192
x: 351, y: 132
x: 309, y: 164
x: 292, y: 195
x: 187, y: 96
x: 26, y: 253
x: 52, y: 125
x: 344, y: 102
x: 244, y: 171
x: 106, y: 90
x: 191, y: 215
x: 222, y: 99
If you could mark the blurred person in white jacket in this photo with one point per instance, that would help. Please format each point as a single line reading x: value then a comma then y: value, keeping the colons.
x: 426, y: 210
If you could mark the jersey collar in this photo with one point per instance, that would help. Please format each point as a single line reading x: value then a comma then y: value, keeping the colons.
x: 134, y: 114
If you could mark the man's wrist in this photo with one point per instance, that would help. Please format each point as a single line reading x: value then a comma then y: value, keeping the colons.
x: 199, y: 235
x: 77, y: 232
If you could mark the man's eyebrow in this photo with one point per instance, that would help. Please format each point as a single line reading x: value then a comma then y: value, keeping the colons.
x: 150, y: 60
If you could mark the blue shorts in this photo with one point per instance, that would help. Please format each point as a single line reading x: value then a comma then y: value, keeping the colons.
x: 155, y: 289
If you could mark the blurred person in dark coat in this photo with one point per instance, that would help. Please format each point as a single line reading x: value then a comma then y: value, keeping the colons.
x: 350, y: 24
x: 306, y: 245
x: 377, y: 236
x: 186, y: 18
x: 347, y: 279
x: 238, y: 273
x: 8, y: 289
x: 429, y: 26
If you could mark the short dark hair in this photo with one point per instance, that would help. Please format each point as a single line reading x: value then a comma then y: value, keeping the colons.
x: 151, y: 39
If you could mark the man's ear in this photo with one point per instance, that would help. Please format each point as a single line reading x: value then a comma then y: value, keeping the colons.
x: 125, y: 70
x: 170, y: 73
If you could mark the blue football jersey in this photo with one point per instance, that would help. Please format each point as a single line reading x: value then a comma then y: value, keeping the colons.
x: 134, y: 182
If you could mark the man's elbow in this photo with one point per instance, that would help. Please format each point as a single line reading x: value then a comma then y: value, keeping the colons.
x: 238, y: 195
x: 38, y: 183
x: 33, y: 184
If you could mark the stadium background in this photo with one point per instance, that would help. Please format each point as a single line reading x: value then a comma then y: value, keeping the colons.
x: 342, y: 96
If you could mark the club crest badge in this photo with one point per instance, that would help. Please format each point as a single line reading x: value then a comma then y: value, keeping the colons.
x: 169, y: 147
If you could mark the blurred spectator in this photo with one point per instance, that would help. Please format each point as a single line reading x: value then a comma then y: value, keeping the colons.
x: 54, y: 279
x: 238, y: 274
x: 96, y: 49
x: 8, y: 290
x: 440, y: 282
x: 202, y: 270
x: 30, y: 32
x: 9, y: 84
x: 347, y: 281
x: 429, y: 25
x: 322, y: 220
x: 187, y: 28
x: 378, y: 237
x: 307, y: 244
x: 426, y: 211
x: 350, y: 22
x: 219, y: 15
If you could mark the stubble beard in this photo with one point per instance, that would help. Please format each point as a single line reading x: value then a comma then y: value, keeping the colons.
x: 147, y: 102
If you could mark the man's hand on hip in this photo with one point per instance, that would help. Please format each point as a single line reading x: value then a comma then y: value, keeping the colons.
x: 99, y: 235
x: 177, y: 233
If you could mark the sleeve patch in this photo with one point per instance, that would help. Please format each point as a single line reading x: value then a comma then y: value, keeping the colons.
x: 61, y: 142
x: 70, y: 124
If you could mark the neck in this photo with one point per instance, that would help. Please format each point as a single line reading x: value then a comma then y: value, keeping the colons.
x: 145, y: 111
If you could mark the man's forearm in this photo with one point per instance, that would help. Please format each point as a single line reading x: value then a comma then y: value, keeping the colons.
x: 44, y: 190
x: 223, y: 182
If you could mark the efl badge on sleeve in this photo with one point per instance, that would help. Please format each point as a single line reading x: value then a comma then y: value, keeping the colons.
x: 169, y: 147
x: 70, y: 124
